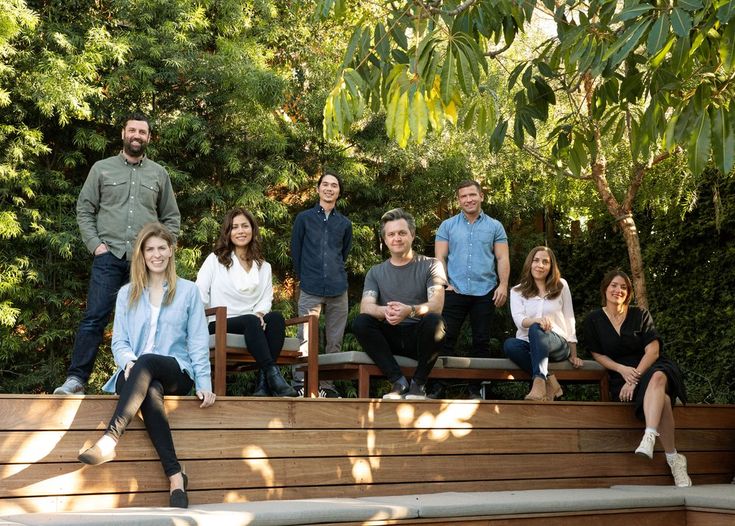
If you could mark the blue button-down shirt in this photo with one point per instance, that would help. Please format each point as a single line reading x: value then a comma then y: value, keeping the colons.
x: 319, y: 248
x: 181, y: 332
x: 471, y: 260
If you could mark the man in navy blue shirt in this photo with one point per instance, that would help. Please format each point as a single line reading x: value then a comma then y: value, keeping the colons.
x: 470, y: 245
x: 320, y: 242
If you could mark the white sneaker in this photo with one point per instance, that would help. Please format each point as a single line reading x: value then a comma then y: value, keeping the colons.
x: 71, y: 386
x: 648, y: 442
x: 679, y: 470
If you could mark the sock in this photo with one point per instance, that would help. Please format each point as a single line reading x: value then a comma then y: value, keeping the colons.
x: 651, y: 430
x: 106, y: 444
x: 671, y: 456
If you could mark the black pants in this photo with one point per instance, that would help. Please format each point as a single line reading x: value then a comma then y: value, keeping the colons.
x: 264, y: 345
x: 151, y: 377
x: 421, y: 341
x: 480, y: 309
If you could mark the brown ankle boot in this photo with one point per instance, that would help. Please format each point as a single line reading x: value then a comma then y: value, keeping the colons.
x: 538, y: 390
x: 553, y: 389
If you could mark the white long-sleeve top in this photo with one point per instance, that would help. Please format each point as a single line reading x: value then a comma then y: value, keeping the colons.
x: 559, y: 310
x: 241, y: 291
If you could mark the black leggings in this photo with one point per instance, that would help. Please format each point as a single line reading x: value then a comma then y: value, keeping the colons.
x: 151, y: 377
x: 264, y: 345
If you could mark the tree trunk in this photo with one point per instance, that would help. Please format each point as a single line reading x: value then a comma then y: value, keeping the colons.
x: 624, y: 218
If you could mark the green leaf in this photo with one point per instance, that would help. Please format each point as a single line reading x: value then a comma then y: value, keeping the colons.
x: 633, y: 11
x: 726, y: 12
x: 681, y: 22
x: 470, y: 115
x: 659, y: 58
x: 352, y: 47
x: 498, y: 137
x: 418, y: 117
x: 399, y: 35
x: 658, y: 35
x: 699, y: 143
x: 449, y: 72
x: 382, y: 46
x: 727, y: 47
x: 514, y: 74
x: 723, y: 139
x: 690, y: 5
x: 632, y: 41
x: 402, y: 131
x: 681, y: 53
x: 627, y: 40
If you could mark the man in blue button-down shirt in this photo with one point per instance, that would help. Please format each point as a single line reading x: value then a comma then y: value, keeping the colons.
x: 470, y: 245
x: 320, y: 242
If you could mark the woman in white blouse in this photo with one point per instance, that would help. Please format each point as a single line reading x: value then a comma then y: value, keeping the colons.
x: 236, y: 275
x: 541, y: 305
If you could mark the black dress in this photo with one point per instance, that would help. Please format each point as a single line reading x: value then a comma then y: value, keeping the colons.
x: 627, y: 348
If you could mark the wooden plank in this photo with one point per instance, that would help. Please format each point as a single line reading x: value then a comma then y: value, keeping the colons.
x: 24, y: 447
x: 615, y: 440
x: 706, y: 517
x: 48, y: 412
x: 20, y: 480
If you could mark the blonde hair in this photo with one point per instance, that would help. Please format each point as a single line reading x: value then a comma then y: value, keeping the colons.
x: 139, y: 270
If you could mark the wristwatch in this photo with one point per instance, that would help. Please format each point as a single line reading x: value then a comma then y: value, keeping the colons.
x: 412, y: 314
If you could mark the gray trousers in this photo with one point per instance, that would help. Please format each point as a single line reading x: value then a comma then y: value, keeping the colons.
x: 335, y: 314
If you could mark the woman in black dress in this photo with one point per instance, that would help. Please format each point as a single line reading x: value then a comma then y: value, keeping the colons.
x: 624, y: 340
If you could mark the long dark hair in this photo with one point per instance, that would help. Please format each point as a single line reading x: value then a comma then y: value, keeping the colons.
x: 223, y: 247
x: 527, y: 287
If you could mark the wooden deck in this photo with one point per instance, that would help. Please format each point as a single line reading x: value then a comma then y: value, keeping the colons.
x: 245, y: 449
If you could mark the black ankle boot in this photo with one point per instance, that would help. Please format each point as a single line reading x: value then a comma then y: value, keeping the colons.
x: 261, y: 388
x: 277, y: 384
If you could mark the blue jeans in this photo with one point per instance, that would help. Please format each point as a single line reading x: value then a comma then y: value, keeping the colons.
x: 108, y: 274
x: 533, y: 355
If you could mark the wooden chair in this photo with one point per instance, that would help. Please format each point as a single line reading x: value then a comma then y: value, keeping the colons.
x: 227, y: 352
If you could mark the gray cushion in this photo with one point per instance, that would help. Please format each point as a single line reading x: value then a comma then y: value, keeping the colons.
x: 463, y: 362
x: 236, y: 341
x: 360, y: 357
x: 265, y: 513
x: 529, y: 501
x: 719, y: 496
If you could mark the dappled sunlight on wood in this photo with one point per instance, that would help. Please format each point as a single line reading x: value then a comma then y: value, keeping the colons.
x: 362, y: 470
x: 405, y: 414
x: 257, y: 460
x: 276, y: 423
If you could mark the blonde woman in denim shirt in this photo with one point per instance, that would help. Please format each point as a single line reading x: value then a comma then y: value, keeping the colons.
x: 160, y: 344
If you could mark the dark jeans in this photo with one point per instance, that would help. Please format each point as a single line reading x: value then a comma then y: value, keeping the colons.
x: 108, y: 274
x: 264, y: 345
x: 480, y: 309
x: 151, y: 377
x: 421, y: 341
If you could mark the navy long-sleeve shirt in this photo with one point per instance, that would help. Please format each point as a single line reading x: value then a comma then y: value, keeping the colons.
x: 319, y: 248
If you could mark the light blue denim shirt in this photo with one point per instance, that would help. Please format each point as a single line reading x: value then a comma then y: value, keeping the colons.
x: 181, y: 332
x: 471, y: 260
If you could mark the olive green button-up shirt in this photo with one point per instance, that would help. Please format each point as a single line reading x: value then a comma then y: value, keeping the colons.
x: 118, y: 198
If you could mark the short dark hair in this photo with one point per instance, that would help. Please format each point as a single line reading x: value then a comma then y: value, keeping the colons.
x: 469, y: 182
x: 607, y: 279
x: 136, y: 116
x: 333, y: 174
x: 395, y: 215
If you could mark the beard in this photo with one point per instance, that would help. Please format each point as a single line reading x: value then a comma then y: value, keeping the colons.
x: 134, y: 149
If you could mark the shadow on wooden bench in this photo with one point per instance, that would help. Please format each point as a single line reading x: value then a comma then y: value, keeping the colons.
x: 227, y: 352
x: 356, y: 365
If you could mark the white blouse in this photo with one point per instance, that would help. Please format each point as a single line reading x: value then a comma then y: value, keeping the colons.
x: 240, y: 290
x: 559, y: 310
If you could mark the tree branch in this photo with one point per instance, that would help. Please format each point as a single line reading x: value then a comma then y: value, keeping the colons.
x: 433, y: 9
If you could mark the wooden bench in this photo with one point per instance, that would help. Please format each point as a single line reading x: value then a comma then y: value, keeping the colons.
x: 229, y: 353
x: 357, y: 365
x: 258, y: 449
